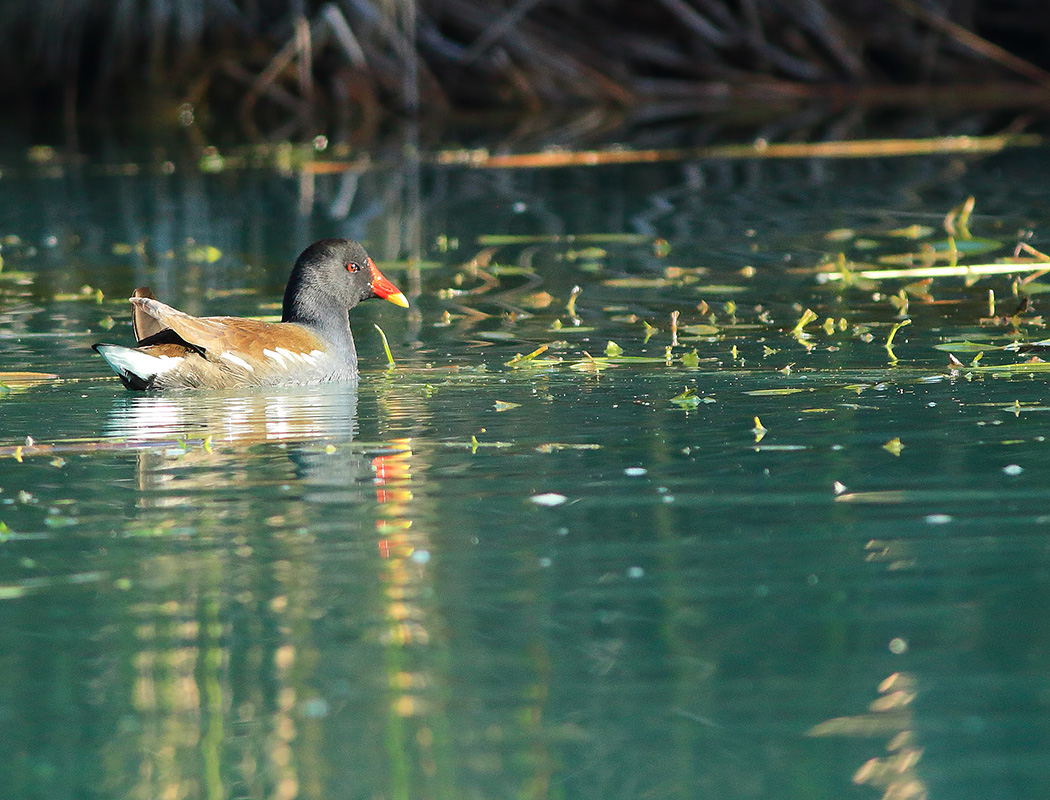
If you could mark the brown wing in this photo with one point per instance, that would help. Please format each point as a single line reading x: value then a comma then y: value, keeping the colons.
x: 142, y: 323
x: 265, y: 349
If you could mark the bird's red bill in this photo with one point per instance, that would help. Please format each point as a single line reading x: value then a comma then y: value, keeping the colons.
x: 384, y: 288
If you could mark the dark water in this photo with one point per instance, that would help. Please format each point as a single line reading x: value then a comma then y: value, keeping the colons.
x: 415, y: 589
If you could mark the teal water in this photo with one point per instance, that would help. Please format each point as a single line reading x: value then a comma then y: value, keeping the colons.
x: 467, y: 579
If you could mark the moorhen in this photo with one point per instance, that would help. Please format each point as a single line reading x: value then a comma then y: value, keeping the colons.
x: 311, y: 344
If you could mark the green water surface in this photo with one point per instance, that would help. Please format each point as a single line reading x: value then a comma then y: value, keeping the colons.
x: 463, y: 579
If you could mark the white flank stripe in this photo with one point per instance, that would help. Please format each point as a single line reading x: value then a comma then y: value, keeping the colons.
x: 234, y: 359
x: 292, y: 357
x: 275, y: 356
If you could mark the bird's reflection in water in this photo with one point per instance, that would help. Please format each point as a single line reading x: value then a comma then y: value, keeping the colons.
x: 244, y: 417
x: 196, y: 435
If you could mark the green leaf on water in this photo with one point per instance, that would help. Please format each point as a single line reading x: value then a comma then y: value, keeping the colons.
x: 612, y: 349
x: 687, y: 399
x: 759, y: 430
x: 550, y: 447
x: 1013, y: 369
x: 776, y: 392
x: 586, y: 254
x: 504, y: 406
x: 697, y: 330
x: 619, y: 238
x: 474, y: 445
x: 807, y: 317
x: 966, y: 246
x: 498, y: 336
x: 520, y: 360
x: 719, y: 288
x: 911, y: 232
x: 636, y: 283
x: 964, y: 347
x: 590, y: 364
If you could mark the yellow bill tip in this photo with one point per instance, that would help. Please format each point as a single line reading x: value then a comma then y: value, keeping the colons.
x: 397, y: 299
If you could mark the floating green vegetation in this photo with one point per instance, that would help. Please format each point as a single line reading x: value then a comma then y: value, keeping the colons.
x: 550, y: 447
x: 88, y: 293
x: 782, y: 392
x: 532, y: 359
x: 16, y: 380
x: 893, y: 446
x: 957, y: 220
x: 698, y: 330
x: 759, y: 430
x: 591, y: 364
x: 690, y: 398
x: 635, y: 360
x: 637, y: 283
x: 892, y: 334
x: 911, y: 232
x: 807, y: 317
x: 586, y: 254
x: 574, y: 295
x: 1022, y: 368
x: 966, y: 347
x: 490, y: 240
x: 386, y: 346
x: 475, y: 444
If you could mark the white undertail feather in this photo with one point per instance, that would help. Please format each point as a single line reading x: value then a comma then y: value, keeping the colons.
x: 129, y: 361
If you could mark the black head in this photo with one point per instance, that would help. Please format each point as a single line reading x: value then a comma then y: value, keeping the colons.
x: 330, y: 277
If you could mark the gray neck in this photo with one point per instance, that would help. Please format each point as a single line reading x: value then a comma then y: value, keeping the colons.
x: 320, y: 315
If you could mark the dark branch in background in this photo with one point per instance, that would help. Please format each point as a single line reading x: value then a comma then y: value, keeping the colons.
x: 311, y: 57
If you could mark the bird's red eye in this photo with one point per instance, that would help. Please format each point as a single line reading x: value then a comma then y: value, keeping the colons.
x: 352, y: 267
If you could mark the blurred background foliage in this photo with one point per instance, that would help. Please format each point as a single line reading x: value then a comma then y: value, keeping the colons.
x: 359, y: 60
